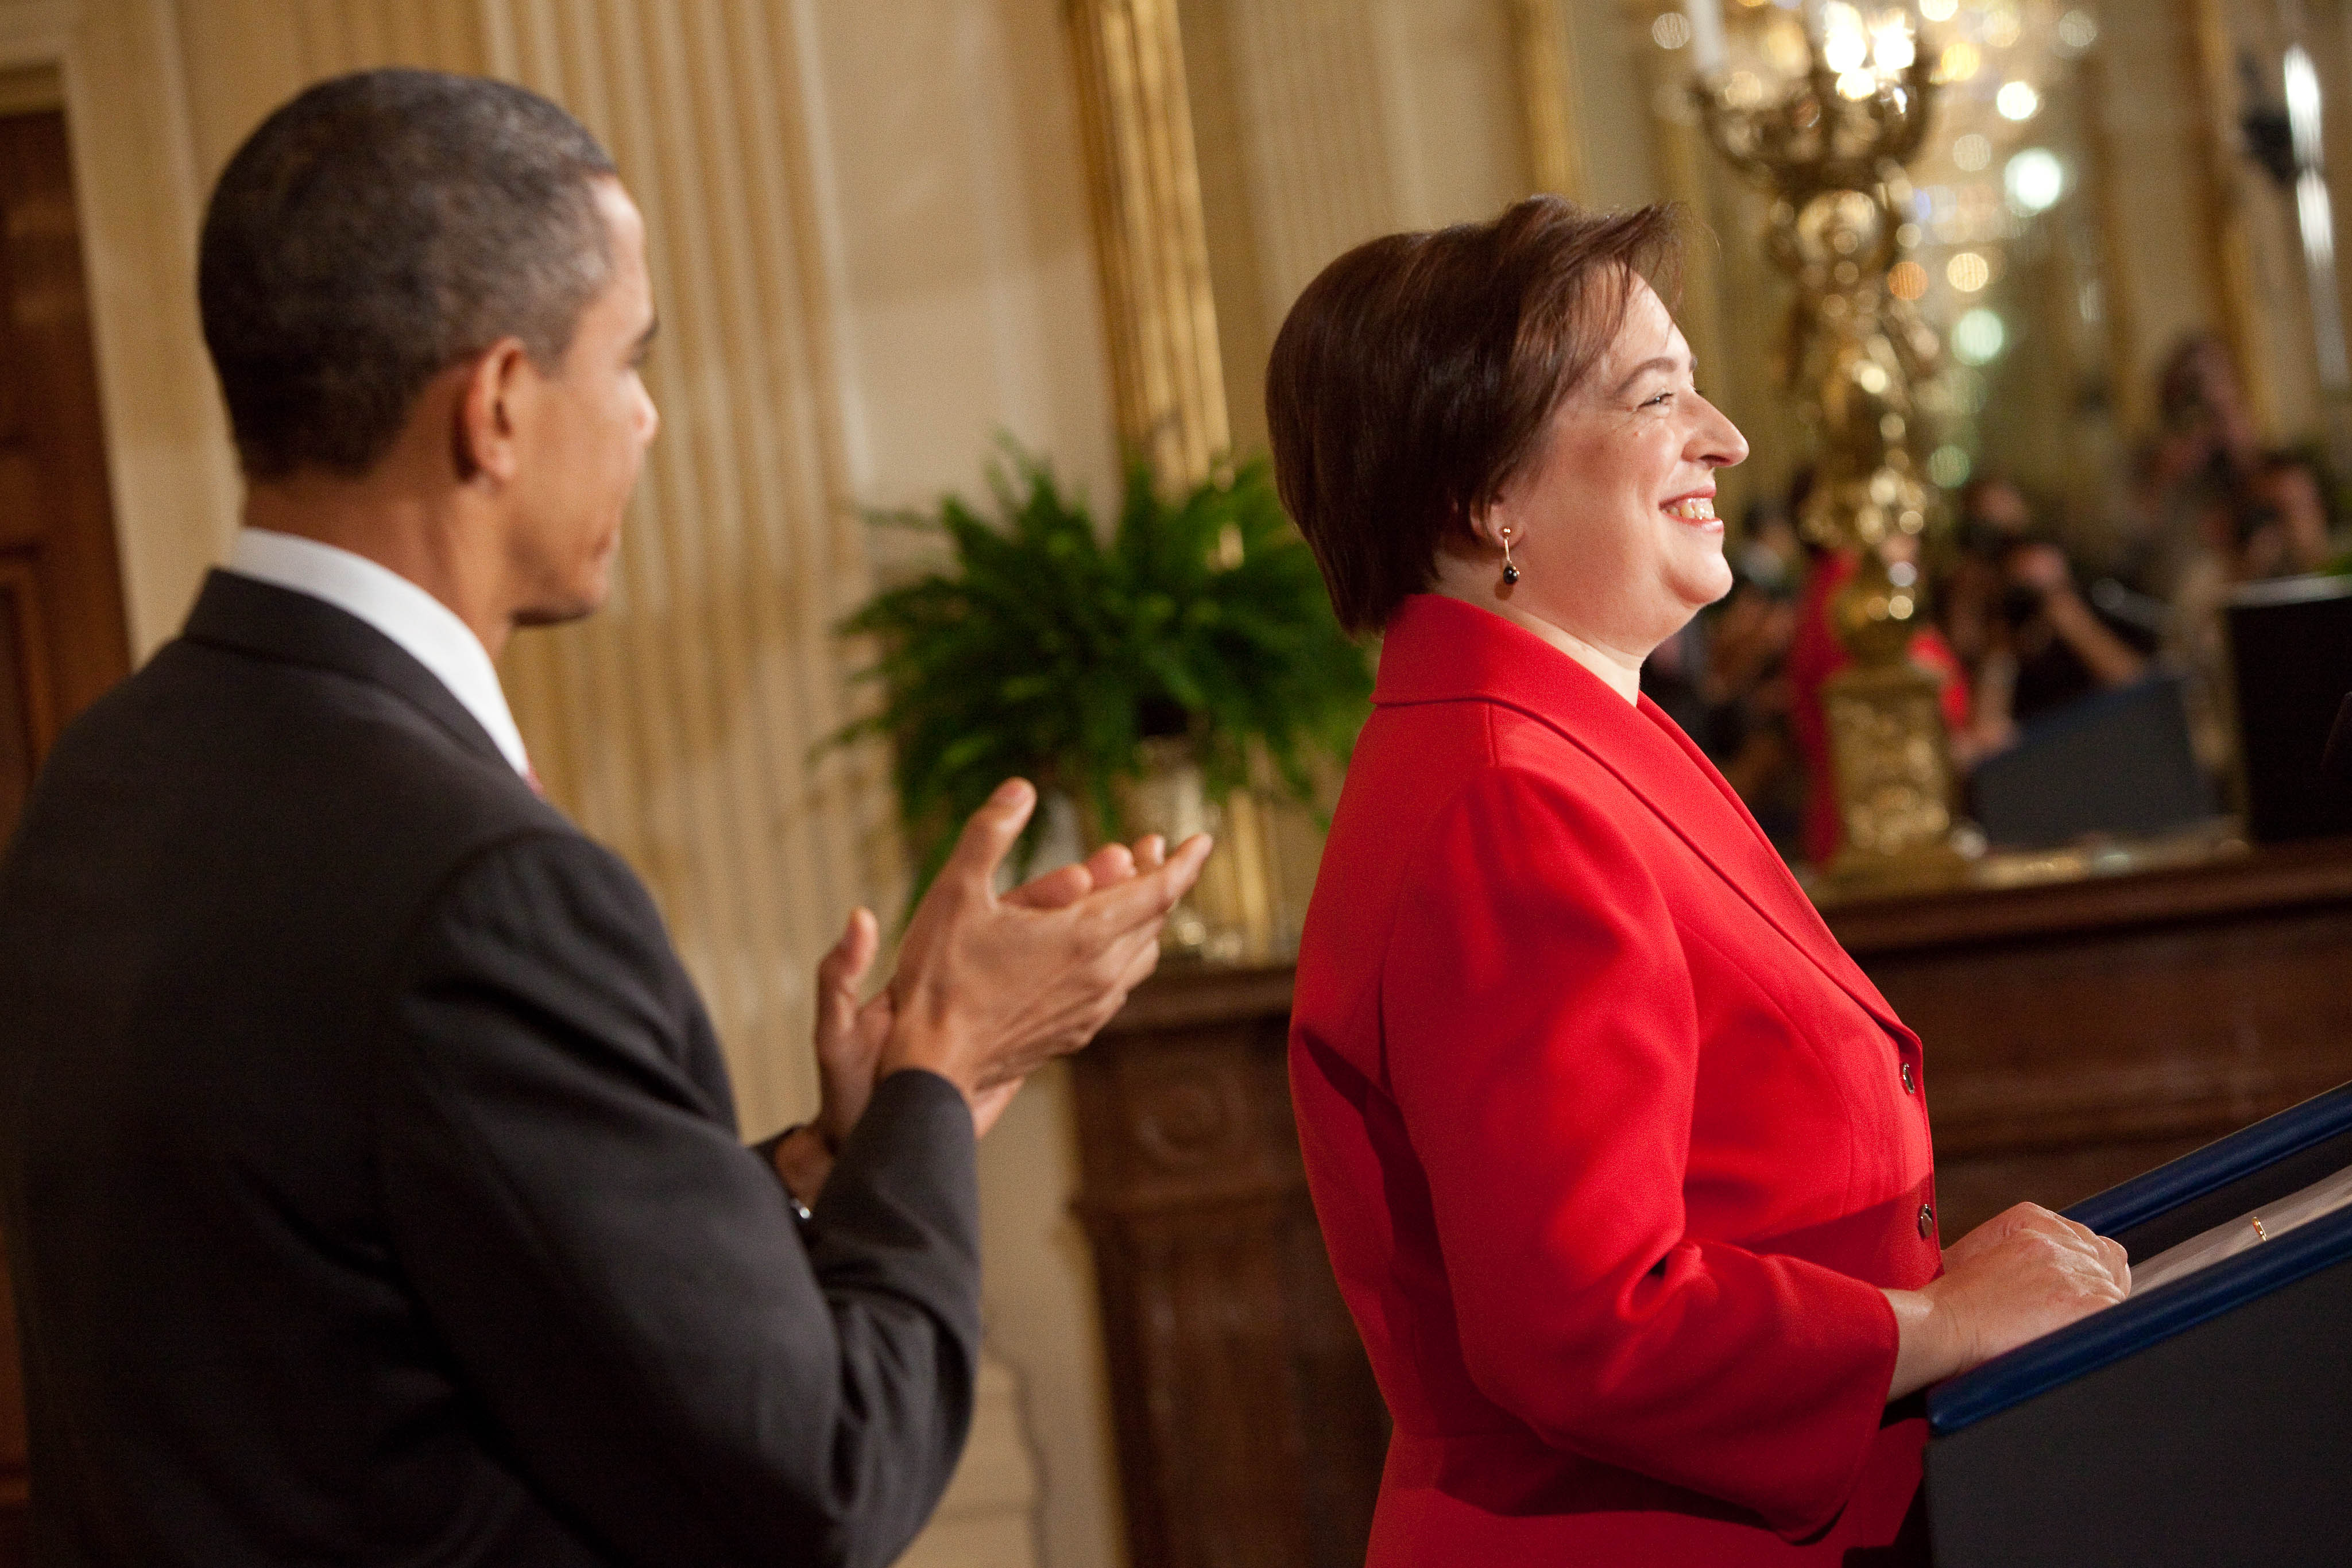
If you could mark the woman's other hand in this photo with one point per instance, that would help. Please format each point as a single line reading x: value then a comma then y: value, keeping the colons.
x: 2015, y: 1278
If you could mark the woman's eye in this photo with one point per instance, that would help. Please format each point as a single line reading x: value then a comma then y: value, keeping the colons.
x: 1662, y: 397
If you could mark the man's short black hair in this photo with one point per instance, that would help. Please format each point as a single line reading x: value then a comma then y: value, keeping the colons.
x: 378, y: 229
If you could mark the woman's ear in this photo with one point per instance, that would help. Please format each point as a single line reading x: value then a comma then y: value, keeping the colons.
x: 1493, y: 525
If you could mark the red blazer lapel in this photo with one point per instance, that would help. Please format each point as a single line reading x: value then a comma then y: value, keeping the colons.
x: 1763, y: 872
x: 1449, y: 651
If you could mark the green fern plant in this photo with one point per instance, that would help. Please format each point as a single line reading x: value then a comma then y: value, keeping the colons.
x: 1048, y: 651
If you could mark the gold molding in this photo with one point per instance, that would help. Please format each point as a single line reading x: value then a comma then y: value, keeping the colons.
x: 2244, y: 324
x: 1150, y: 241
x: 1543, y: 57
x: 2118, y: 303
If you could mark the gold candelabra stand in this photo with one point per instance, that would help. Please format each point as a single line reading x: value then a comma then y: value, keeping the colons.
x: 1830, y: 153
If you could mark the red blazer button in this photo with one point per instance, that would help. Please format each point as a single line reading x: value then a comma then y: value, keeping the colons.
x: 1926, y: 1222
x: 1910, y: 1084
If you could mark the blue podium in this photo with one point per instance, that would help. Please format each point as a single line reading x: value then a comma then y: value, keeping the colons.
x: 2207, y: 1420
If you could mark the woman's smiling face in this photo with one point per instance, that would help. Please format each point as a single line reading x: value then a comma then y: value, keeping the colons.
x: 1612, y: 527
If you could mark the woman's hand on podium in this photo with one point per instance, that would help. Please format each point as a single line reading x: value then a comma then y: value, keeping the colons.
x: 2019, y: 1276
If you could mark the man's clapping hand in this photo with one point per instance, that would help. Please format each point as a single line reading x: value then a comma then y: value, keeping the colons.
x: 988, y: 988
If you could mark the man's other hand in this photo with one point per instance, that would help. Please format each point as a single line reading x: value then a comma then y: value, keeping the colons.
x: 990, y: 989
x: 849, y: 1035
x: 1060, y: 890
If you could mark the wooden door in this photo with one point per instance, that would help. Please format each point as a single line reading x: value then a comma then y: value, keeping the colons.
x: 62, y: 636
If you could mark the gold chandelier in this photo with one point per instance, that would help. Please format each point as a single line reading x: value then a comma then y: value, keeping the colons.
x: 1828, y: 107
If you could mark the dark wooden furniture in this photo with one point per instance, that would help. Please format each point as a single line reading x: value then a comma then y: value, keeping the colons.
x: 2083, y: 1032
x: 1250, y: 1433
x: 62, y: 638
x: 2077, y: 1034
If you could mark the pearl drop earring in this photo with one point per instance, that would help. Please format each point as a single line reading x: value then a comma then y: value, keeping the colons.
x: 1510, y: 572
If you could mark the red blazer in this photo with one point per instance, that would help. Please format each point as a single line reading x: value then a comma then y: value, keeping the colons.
x: 1612, y: 1143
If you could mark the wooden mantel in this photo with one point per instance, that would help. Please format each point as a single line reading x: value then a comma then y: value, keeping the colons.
x: 1250, y: 1432
x: 2077, y: 1033
x: 2080, y: 1033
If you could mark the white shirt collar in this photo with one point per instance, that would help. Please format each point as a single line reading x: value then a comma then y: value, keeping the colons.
x: 428, y: 629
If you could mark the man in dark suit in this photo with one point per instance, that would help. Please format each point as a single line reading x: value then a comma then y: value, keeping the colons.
x: 371, y: 1179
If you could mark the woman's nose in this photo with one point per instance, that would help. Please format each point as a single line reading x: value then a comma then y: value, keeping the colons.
x: 1717, y: 442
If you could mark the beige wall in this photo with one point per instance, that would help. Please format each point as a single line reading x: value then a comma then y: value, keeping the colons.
x: 1322, y: 123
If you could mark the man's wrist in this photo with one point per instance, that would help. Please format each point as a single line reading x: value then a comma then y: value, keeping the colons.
x: 926, y: 1046
x: 804, y: 1159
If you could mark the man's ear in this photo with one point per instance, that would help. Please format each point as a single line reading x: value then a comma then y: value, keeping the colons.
x: 490, y: 404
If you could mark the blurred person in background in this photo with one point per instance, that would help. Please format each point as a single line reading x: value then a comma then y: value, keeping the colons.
x: 2205, y: 453
x: 2291, y: 528
x: 2032, y: 641
x: 1749, y: 733
x: 2277, y: 523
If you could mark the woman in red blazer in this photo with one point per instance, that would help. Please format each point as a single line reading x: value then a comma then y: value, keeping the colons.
x: 1624, y: 1164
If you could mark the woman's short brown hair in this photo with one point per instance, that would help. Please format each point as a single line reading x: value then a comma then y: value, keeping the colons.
x: 1418, y: 374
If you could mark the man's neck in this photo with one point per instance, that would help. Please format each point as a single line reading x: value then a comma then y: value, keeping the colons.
x: 407, y: 530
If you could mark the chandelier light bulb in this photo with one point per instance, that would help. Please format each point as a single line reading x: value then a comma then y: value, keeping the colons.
x: 1939, y: 10
x: 1891, y: 48
x: 2035, y: 179
x: 1979, y: 337
x: 2017, y: 100
x: 2302, y: 106
x: 1785, y: 45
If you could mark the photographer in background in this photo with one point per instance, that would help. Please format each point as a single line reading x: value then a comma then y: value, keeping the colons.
x: 2032, y: 641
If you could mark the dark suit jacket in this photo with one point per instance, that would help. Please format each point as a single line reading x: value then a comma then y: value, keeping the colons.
x: 371, y: 1180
